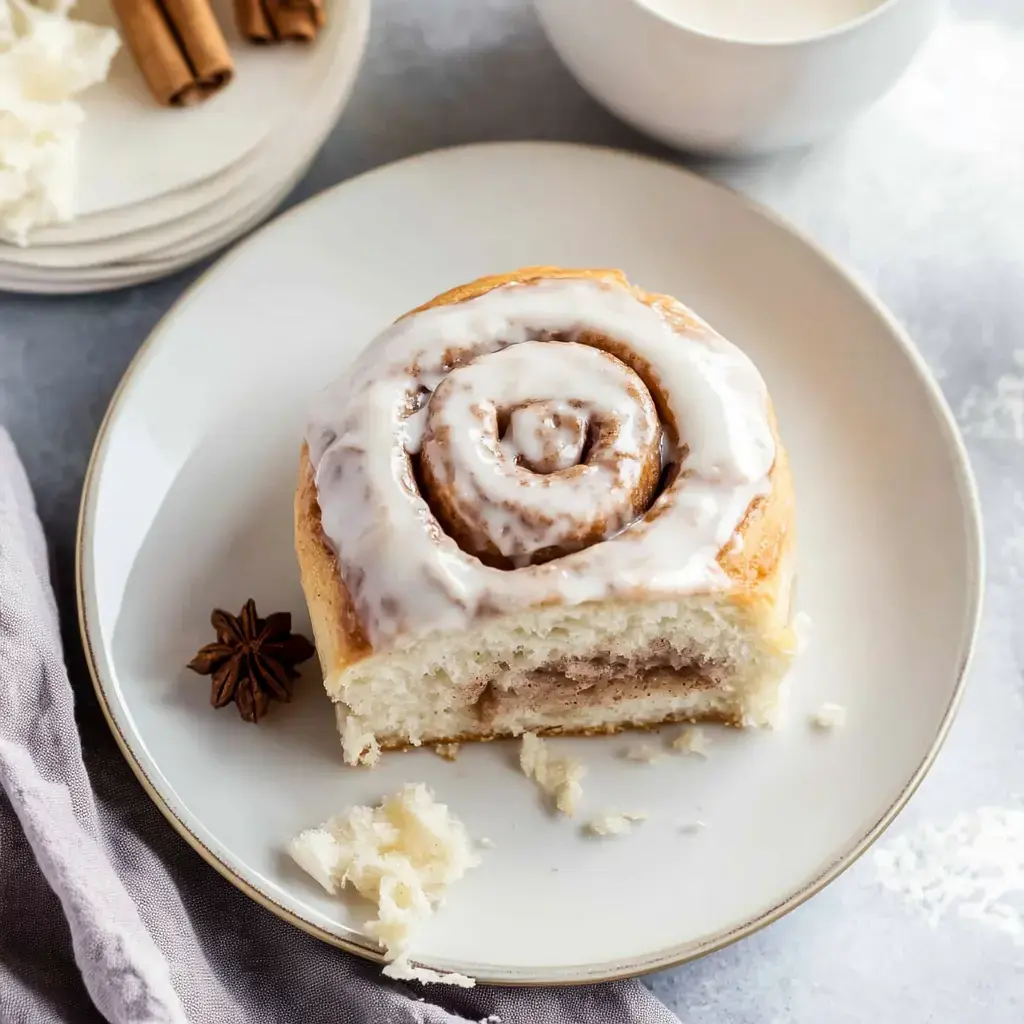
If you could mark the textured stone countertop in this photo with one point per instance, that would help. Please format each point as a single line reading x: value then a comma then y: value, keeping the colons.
x: 456, y: 71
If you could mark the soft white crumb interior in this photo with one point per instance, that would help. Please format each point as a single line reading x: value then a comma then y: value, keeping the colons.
x: 402, y: 855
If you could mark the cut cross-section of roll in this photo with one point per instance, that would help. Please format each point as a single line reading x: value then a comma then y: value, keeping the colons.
x: 546, y: 502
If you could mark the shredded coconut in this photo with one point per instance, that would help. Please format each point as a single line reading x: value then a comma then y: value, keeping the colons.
x: 692, y: 740
x: 558, y: 777
x: 613, y: 824
x: 403, y: 855
x: 997, y: 412
x: 829, y: 716
x: 975, y: 866
x: 1013, y: 546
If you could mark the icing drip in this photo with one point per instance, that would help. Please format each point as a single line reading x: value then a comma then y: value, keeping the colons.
x: 490, y: 455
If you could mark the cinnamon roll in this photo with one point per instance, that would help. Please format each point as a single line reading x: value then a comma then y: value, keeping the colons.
x: 545, y: 501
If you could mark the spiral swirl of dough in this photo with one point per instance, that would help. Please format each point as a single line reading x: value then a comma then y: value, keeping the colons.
x: 549, y: 436
x: 539, y: 450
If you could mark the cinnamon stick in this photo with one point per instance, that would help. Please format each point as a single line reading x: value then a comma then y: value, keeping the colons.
x: 273, y: 21
x: 179, y: 48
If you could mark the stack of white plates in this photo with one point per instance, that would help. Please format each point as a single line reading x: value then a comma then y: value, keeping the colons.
x: 160, y: 189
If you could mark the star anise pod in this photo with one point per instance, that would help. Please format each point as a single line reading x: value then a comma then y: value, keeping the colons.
x: 253, y: 660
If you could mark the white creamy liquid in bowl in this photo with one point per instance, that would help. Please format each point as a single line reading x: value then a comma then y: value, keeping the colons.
x: 763, y: 21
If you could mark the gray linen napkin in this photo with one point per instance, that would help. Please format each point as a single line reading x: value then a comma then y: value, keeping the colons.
x: 147, y: 949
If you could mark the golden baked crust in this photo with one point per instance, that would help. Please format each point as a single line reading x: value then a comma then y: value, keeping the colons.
x: 680, y: 718
x: 756, y: 567
x: 339, y: 636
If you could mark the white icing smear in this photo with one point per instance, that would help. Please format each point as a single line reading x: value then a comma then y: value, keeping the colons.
x: 506, y: 351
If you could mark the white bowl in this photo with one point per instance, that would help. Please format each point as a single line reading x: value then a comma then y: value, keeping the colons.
x: 715, y: 95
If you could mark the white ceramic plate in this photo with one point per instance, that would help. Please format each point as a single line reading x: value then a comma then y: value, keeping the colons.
x: 62, y: 281
x: 183, y: 236
x: 108, y: 277
x: 283, y: 159
x: 160, y: 150
x: 188, y: 506
x: 131, y: 231
x: 143, y: 256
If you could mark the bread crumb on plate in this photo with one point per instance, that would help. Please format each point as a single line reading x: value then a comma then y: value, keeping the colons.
x: 402, y: 855
x: 829, y: 716
x: 612, y: 823
x: 558, y: 777
x: 801, y: 627
x: 643, y: 753
x: 692, y: 740
x: 449, y: 751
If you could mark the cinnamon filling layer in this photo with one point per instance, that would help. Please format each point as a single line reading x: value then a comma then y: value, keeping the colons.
x: 600, y: 680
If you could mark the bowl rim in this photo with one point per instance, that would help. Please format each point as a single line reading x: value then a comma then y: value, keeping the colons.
x: 844, y: 28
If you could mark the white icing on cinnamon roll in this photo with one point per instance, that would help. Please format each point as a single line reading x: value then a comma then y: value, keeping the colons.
x: 527, y: 493
x: 506, y: 451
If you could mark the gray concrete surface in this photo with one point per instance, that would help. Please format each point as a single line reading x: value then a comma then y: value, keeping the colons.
x: 460, y: 71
